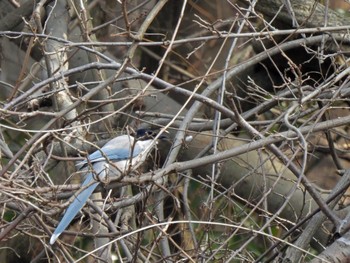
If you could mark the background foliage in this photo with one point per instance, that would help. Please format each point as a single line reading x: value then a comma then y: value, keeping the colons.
x: 253, y: 95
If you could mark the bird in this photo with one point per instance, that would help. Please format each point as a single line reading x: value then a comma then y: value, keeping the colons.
x: 125, y: 152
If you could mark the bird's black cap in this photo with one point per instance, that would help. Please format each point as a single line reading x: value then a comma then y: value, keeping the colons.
x: 146, y: 134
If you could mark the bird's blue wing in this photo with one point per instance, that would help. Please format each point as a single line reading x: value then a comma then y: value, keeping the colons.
x: 115, y: 155
x: 75, y: 206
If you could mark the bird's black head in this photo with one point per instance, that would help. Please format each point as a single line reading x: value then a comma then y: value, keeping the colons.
x: 146, y: 134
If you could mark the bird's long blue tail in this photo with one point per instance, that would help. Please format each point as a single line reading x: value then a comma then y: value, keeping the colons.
x: 75, y: 206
